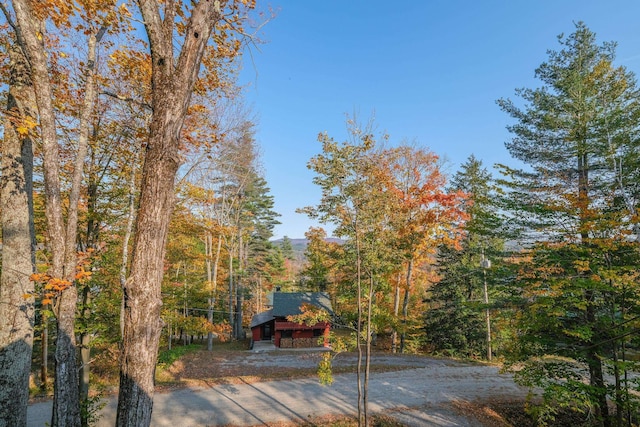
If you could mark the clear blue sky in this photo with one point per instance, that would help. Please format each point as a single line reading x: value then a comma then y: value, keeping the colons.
x: 429, y: 70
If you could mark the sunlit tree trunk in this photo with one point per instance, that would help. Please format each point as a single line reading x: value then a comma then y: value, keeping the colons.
x: 172, y: 84
x: 405, y: 304
x: 16, y: 210
x: 396, y: 309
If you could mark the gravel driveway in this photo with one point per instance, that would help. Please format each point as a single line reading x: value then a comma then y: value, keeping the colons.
x: 418, y: 395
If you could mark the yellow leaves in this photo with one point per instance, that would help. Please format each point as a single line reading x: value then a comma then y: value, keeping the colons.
x: 581, y: 266
x: 197, y: 108
x: 26, y: 125
x: 59, y: 12
x: 132, y: 67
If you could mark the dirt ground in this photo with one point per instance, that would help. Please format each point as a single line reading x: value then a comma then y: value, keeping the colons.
x: 429, y: 391
x: 222, y: 367
x: 234, y: 367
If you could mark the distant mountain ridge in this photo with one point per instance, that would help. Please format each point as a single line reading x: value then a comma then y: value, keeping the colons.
x: 305, y: 242
x: 299, y: 245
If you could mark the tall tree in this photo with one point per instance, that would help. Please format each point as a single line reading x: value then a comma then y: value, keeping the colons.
x: 343, y: 172
x: 319, y: 261
x: 456, y: 320
x: 18, y: 263
x: 174, y: 74
x: 62, y: 224
x: 287, y: 248
x: 425, y: 215
x: 576, y: 133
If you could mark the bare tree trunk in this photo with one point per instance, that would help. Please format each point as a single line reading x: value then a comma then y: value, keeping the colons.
x: 214, y: 283
x: 30, y: 30
x: 86, y: 112
x: 396, y: 309
x: 172, y: 85
x: 85, y: 351
x: 231, y: 287
x: 239, y: 302
x: 361, y: 416
x: 16, y: 210
x: 365, y: 395
x: 405, y: 305
x: 216, y: 263
x: 208, y: 252
x: 142, y: 301
x: 66, y: 378
x: 127, y: 237
x: 44, y: 342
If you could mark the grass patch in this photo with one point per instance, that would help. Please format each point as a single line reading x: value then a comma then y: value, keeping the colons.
x: 167, y: 357
x: 377, y: 420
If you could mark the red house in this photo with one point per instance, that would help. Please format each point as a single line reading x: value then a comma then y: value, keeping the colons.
x: 273, y: 325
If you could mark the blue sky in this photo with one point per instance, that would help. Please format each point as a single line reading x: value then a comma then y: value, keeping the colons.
x: 430, y: 71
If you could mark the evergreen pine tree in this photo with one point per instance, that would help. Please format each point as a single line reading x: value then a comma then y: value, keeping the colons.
x: 456, y: 320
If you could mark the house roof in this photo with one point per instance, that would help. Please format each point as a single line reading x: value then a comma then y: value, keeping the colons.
x: 260, y: 318
x: 288, y: 303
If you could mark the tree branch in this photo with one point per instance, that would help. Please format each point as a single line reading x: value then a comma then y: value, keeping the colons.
x: 124, y: 98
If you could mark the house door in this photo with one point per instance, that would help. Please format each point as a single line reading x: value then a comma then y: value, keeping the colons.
x: 266, y: 331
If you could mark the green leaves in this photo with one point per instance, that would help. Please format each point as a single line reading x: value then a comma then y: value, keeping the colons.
x: 573, y: 207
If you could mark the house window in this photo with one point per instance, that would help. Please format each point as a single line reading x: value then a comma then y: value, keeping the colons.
x: 317, y: 332
x: 287, y: 333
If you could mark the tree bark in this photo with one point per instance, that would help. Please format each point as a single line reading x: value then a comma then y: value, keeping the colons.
x: 596, y: 375
x: 131, y: 215
x: 16, y: 209
x: 230, y: 300
x: 85, y: 349
x: 208, y: 243
x: 65, y: 354
x: 30, y: 31
x: 405, y: 304
x: 367, y: 366
x: 172, y: 84
x: 396, y: 309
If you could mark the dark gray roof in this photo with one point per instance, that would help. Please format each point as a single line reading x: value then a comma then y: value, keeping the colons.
x: 288, y: 303
x: 260, y: 318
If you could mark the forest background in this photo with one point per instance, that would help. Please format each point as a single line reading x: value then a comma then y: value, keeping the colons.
x: 135, y: 213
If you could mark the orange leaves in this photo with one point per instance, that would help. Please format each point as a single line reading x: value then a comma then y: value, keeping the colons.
x: 55, y: 284
x: 59, y: 11
x: 52, y: 287
x: 83, y: 271
x: 310, y: 315
x: 424, y: 213
x: 82, y: 275
x: 132, y: 67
